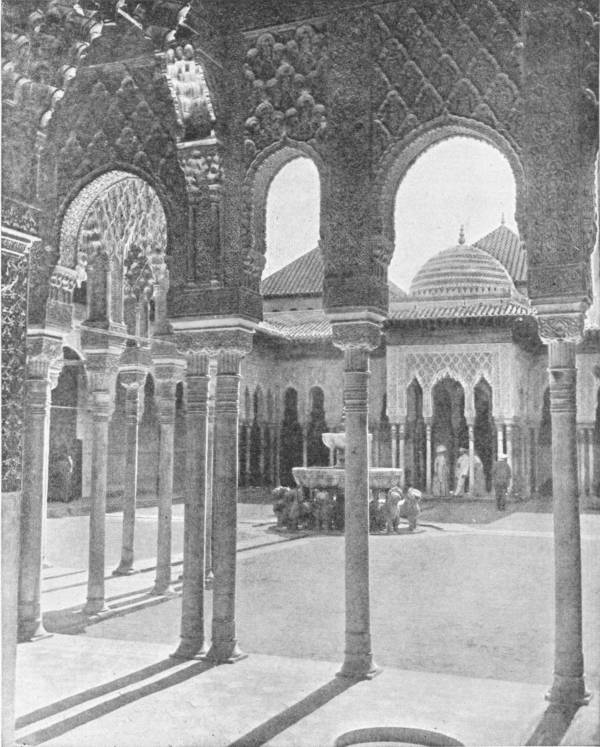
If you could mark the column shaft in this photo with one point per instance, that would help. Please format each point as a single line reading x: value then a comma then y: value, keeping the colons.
x: 471, y: 460
x: 401, y: 451
x: 304, y: 446
x: 428, y: 457
x: 130, y: 485
x: 192, y: 602
x: 248, y: 430
x: 224, y: 644
x: 100, y: 413
x: 36, y: 433
x: 500, y: 434
x: 568, y: 685
x: 394, y: 446
x: 166, y: 408
x: 358, y: 661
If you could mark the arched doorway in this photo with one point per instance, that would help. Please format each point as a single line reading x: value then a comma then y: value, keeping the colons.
x: 317, y: 452
x: 485, y: 441
x: 449, y: 425
x: 291, y: 438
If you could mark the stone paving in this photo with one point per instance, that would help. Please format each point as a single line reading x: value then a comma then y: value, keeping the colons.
x: 461, y: 620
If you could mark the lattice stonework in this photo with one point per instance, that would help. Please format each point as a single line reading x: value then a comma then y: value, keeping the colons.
x: 466, y: 367
x: 117, y: 210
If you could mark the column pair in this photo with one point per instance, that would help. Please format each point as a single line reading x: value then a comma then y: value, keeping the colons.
x: 43, y: 356
x: 224, y: 646
x: 357, y: 339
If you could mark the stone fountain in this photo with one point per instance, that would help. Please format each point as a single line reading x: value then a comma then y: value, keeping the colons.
x: 380, y: 478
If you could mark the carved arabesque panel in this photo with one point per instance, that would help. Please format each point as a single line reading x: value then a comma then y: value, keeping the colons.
x: 446, y: 56
x: 285, y: 74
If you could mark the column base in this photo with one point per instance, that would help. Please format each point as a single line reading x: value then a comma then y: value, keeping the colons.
x: 124, y: 570
x: 226, y: 652
x: 30, y: 631
x: 163, y: 590
x: 568, y: 691
x: 95, y: 607
x: 359, y: 668
x: 190, y: 648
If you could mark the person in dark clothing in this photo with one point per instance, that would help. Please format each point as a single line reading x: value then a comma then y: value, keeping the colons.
x: 501, y: 477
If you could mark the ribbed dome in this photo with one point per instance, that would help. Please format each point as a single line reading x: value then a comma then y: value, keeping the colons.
x: 462, y: 271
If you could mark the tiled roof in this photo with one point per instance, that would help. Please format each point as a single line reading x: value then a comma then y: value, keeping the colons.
x: 505, y: 246
x: 304, y: 277
x: 304, y: 324
x: 409, y: 310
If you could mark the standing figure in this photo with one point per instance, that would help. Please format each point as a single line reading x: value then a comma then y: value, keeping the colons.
x: 440, y: 473
x: 501, y: 477
x: 323, y: 509
x: 478, y: 487
x: 61, y: 472
x: 461, y: 471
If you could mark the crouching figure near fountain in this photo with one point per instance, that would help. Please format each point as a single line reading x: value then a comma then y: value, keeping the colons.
x: 409, y: 508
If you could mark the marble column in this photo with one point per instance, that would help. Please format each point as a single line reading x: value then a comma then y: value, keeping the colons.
x: 210, y: 456
x: 357, y: 340
x: 471, y: 458
x: 568, y: 685
x: 101, y: 369
x: 247, y: 466
x: 277, y: 443
x: 535, y: 458
x: 394, y: 446
x: 590, y: 434
x: 500, y: 435
x: 261, y: 455
x: 401, y: 450
x: 36, y: 432
x: 192, y: 602
x: 581, y: 457
x: 305, y: 446
x: 224, y: 646
x: 134, y: 386
x: 167, y: 375
x: 428, y: 455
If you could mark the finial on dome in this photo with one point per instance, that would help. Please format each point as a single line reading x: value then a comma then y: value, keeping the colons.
x: 502, y: 219
x: 461, y: 235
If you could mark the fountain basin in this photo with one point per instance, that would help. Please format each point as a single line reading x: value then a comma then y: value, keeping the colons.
x: 380, y: 478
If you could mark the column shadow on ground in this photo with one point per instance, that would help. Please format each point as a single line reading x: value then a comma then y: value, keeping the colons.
x: 553, y: 725
x: 108, y: 706
x: 282, y: 721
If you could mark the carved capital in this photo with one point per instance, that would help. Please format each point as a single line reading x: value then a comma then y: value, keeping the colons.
x: 37, y: 397
x: 197, y: 365
x: 212, y: 341
x: 168, y: 363
x: 44, y: 353
x: 101, y: 367
x: 356, y: 335
x: 560, y: 326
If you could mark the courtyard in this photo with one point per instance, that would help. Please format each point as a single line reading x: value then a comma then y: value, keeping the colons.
x: 462, y: 626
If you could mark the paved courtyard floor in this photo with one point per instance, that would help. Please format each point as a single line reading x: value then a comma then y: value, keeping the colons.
x: 462, y: 624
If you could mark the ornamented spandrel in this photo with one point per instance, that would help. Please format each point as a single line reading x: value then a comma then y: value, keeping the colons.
x: 14, y: 325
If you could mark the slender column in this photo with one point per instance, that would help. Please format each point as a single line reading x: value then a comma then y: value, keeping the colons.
x: 471, y: 458
x: 500, y: 434
x: 394, y: 446
x: 401, y: 450
x: 192, y: 602
x: 590, y: 432
x: 133, y: 413
x: 568, y: 685
x: 535, y: 457
x: 210, y: 456
x: 304, y: 446
x: 101, y: 403
x: 277, y: 440
x: 166, y: 417
x: 261, y: 454
x: 357, y: 340
x: 34, y: 498
x: 428, y: 455
x: 581, y: 455
x: 248, y: 430
x: 224, y: 646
